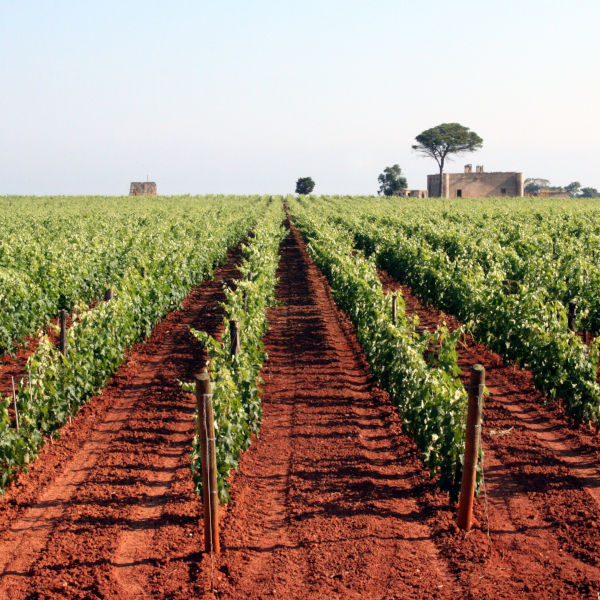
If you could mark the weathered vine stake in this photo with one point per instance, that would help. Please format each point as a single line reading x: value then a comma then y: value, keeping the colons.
x: 210, y: 497
x: 572, y: 315
x: 472, y: 443
x: 394, y: 309
x: 234, y: 330
x: 63, y: 332
x: 109, y: 295
x: 15, y: 403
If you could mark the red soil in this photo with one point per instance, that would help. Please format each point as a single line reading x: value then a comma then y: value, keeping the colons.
x: 542, y: 482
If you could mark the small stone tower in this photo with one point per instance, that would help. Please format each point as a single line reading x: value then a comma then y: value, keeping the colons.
x: 143, y: 188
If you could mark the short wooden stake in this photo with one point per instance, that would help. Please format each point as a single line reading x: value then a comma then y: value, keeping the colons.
x: 394, y: 309
x: 109, y: 294
x: 472, y: 443
x: 249, y: 275
x: 29, y: 385
x: 63, y: 332
x: 234, y: 330
x: 210, y: 493
x: 245, y: 296
x: 143, y: 272
x: 15, y: 403
x: 572, y: 314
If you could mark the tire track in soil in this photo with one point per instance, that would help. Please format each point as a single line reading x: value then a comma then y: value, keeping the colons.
x: 119, y: 518
x: 324, y: 504
x: 542, y: 485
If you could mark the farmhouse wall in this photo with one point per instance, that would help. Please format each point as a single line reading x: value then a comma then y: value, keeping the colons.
x: 476, y: 185
x: 412, y: 193
x: 143, y: 188
x: 548, y: 193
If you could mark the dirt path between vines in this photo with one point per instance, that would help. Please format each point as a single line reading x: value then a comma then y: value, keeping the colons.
x: 325, y: 504
x: 109, y: 510
x: 543, y: 486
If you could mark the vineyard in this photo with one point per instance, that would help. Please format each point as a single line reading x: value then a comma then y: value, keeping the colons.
x: 335, y: 339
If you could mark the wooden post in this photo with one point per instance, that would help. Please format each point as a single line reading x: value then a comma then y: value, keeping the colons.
x: 234, y: 330
x: 143, y: 272
x: 109, y: 294
x: 246, y: 296
x: 210, y: 494
x: 507, y: 284
x: 63, y: 332
x: 472, y: 442
x: 394, y: 309
x: 572, y: 313
x: 15, y: 403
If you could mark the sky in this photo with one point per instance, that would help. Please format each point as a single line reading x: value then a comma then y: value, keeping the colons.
x: 245, y: 97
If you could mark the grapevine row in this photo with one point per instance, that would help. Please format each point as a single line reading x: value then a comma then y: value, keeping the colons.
x: 57, y: 385
x: 528, y: 326
x: 235, y: 376
x: 58, y: 253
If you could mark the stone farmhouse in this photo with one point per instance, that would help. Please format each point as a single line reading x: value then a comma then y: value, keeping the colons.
x: 476, y: 184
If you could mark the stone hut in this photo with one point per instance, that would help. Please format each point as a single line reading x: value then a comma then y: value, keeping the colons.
x: 143, y: 188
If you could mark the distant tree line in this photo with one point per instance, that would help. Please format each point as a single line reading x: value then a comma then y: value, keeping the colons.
x: 534, y: 185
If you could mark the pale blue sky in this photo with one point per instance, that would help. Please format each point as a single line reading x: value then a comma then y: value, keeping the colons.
x: 245, y: 97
